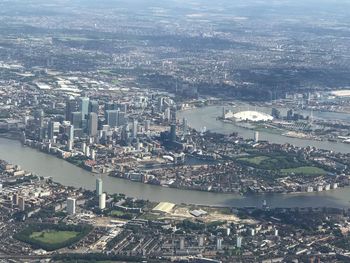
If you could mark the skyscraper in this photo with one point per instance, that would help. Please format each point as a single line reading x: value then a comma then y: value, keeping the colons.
x: 39, y: 118
x: 22, y: 203
x: 84, y: 107
x: 99, y: 185
x: 173, y: 132
x: 184, y: 126
x: 256, y: 136
x: 102, y: 201
x: 71, y: 106
x: 92, y: 124
x: 134, y: 128
x: 76, y: 119
x: 122, y: 118
x: 70, y: 135
x: 239, y: 242
x: 50, y: 130
x: 112, y: 118
x: 71, y: 206
x: 53, y: 128
x: 93, y: 106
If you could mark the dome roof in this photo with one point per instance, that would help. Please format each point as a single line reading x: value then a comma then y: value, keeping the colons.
x: 252, y: 116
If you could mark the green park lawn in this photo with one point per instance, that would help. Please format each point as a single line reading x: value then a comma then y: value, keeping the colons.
x: 254, y: 160
x: 306, y: 170
x: 53, y: 236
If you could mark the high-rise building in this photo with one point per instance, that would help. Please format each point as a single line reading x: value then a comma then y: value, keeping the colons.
x: 122, y: 118
x: 92, y: 124
x: 184, y: 126
x: 93, y: 106
x: 239, y: 242
x: 112, y: 118
x: 70, y: 135
x: 167, y: 114
x: 147, y: 125
x: 201, y: 241
x: 15, y: 199
x: 84, y: 107
x: 53, y: 128
x: 71, y: 106
x: 160, y: 103
x: 173, y: 132
x: 122, y: 107
x: 50, y: 130
x: 182, y: 243
x: 134, y: 128
x: 256, y: 136
x: 76, y: 119
x: 71, y: 206
x: 99, y: 185
x: 22, y: 203
x: 109, y: 106
x: 39, y: 118
x: 173, y: 114
x: 102, y: 201
x: 219, y: 243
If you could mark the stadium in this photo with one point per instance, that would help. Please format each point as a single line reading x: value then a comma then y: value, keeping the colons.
x: 253, y: 116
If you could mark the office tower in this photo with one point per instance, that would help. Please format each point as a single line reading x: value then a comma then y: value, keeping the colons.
x: 92, y: 124
x: 99, y: 184
x: 219, y: 243
x: 256, y: 136
x: 173, y: 115
x: 15, y: 199
x: 184, y: 126
x: 83, y: 147
x: 147, y: 125
x: 102, y: 201
x: 160, y: 103
x: 93, y: 154
x: 76, y: 119
x: 39, y: 118
x: 122, y: 107
x: 122, y: 119
x: 0, y: 188
x: 112, y: 118
x: 21, y: 203
x: 290, y: 114
x: 71, y: 106
x: 87, y: 151
x: 275, y: 113
x: 167, y: 114
x: 71, y: 206
x: 70, y: 135
x: 239, y: 242
x: 53, y: 128
x: 134, y: 128
x: 70, y: 132
x: 173, y: 132
x: 93, y: 106
x: 109, y: 106
x: 201, y: 241
x: 182, y: 243
x: 84, y: 106
x: 50, y: 130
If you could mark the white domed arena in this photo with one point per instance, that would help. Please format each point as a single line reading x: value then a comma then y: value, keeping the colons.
x: 253, y: 116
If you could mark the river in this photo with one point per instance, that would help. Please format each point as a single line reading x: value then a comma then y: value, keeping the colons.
x: 67, y: 174
x: 207, y: 117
